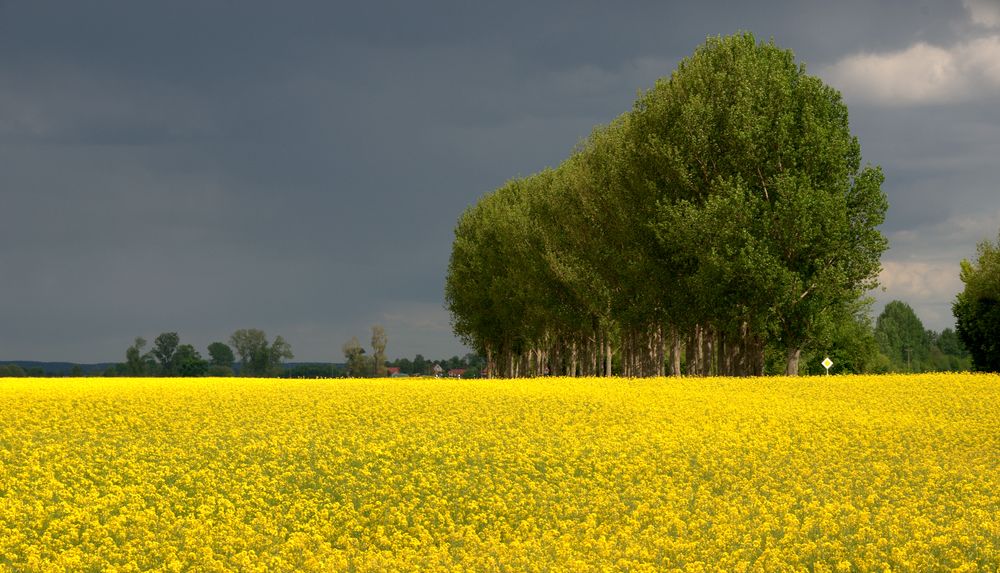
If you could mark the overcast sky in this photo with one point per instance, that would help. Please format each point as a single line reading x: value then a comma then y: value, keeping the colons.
x: 298, y: 167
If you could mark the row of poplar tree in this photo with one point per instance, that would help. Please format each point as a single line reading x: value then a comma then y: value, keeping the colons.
x: 726, y: 214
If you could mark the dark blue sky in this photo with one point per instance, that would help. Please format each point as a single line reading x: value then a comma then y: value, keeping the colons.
x: 298, y: 167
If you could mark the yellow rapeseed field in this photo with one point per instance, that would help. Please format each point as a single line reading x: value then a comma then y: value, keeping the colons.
x: 893, y: 473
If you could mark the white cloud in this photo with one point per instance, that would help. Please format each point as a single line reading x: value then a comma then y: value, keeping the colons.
x: 927, y: 286
x: 952, y: 239
x: 924, y: 73
x: 920, y: 281
x: 984, y: 13
x: 921, y: 74
x: 922, y: 265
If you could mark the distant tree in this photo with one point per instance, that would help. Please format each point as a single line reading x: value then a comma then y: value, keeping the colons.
x: 358, y: 366
x: 901, y: 337
x: 188, y: 362
x: 115, y: 370
x: 977, y: 308
x: 137, y: 363
x: 849, y: 343
x: 475, y: 362
x: 405, y: 365
x: 249, y: 344
x: 220, y: 354
x: 279, y: 351
x: 217, y: 371
x: 11, y: 371
x: 164, y: 347
x: 76, y: 371
x: 420, y: 365
x: 317, y: 370
x: 257, y: 356
x: 950, y: 344
x: 379, y: 341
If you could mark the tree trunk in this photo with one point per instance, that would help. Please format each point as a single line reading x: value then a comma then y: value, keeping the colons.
x: 792, y: 368
x: 706, y: 351
x: 609, y: 352
x: 572, y: 364
x: 699, y: 335
x: 675, y: 352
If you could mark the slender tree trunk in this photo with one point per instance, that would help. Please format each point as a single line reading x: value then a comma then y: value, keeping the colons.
x: 660, y: 344
x: 675, y: 352
x: 490, y: 367
x: 689, y: 354
x: 723, y: 353
x: 595, y: 349
x: 609, y: 353
x: 792, y: 368
x: 706, y: 351
x: 698, y: 350
x: 572, y: 362
x: 758, y: 357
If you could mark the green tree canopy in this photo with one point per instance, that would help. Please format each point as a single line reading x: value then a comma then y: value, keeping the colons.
x: 901, y: 336
x: 220, y: 354
x: 188, y: 362
x: 258, y: 357
x: 164, y: 347
x: 379, y: 342
x: 763, y: 173
x: 136, y: 363
x: 977, y: 307
x: 358, y: 366
x: 727, y: 212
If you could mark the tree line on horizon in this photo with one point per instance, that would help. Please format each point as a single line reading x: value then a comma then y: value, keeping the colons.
x: 255, y: 356
x: 360, y: 365
x: 724, y: 220
x: 167, y: 357
x: 895, y: 341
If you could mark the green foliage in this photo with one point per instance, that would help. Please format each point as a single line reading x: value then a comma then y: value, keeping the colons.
x: 221, y: 355
x: 218, y: 371
x: 977, y: 308
x: 905, y: 346
x: 728, y: 211
x: 767, y: 202
x: 849, y: 343
x: 358, y: 365
x: 164, y: 347
x: 138, y: 363
x: 11, y: 371
x: 379, y: 341
x: 313, y: 371
x: 258, y: 357
x: 188, y: 362
x: 902, y: 338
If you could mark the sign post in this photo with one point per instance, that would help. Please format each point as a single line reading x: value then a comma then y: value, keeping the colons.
x: 827, y: 363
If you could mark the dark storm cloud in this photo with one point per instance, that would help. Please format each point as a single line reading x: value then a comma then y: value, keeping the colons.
x: 203, y: 167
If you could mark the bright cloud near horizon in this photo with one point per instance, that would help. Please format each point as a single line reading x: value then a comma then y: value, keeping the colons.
x: 922, y: 264
x: 299, y: 168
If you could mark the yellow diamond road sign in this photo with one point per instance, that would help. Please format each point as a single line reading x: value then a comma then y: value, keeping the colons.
x: 827, y: 363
